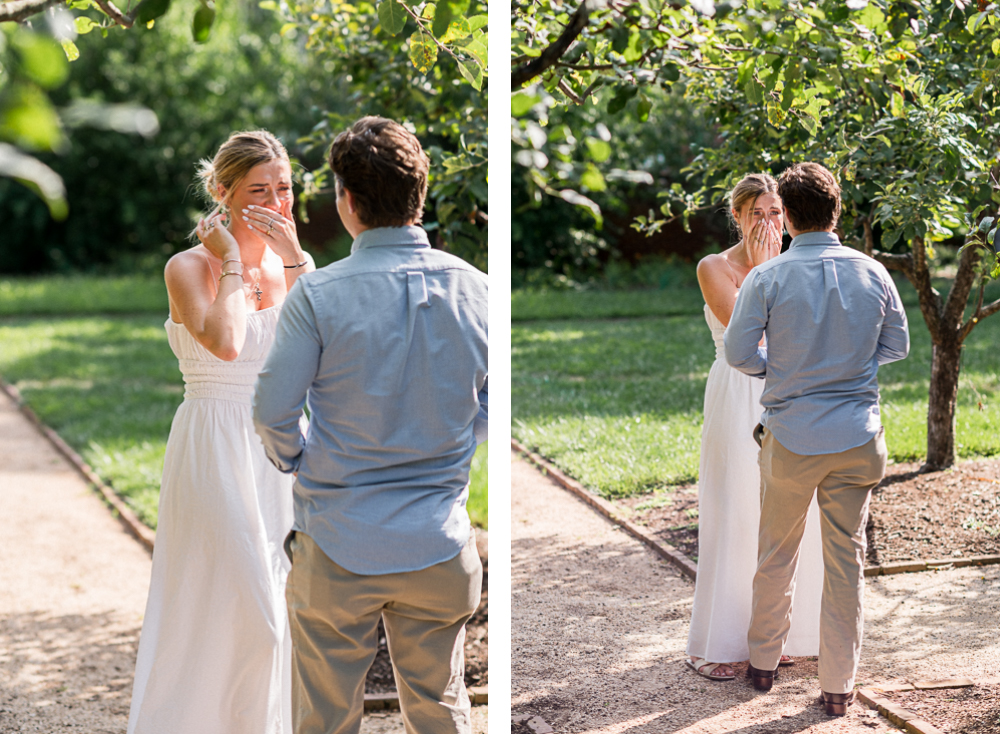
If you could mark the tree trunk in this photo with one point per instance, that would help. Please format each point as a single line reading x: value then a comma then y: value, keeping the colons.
x: 945, y: 361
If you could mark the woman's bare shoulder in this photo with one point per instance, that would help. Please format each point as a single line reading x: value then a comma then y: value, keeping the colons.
x: 715, y: 265
x: 194, y: 259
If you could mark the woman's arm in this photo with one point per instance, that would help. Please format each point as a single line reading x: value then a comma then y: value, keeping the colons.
x: 217, y: 319
x: 279, y: 231
x: 717, y: 286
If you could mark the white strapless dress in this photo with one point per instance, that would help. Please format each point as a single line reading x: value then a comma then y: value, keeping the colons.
x: 728, y: 521
x: 214, y: 654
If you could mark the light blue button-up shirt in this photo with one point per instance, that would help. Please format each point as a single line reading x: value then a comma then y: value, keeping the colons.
x: 389, y: 347
x: 832, y: 315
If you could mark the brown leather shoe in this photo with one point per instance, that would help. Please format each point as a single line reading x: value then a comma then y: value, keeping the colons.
x: 762, y: 679
x: 836, y: 703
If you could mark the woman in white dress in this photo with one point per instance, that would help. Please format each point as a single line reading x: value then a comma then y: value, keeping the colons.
x: 214, y: 654
x: 729, y: 476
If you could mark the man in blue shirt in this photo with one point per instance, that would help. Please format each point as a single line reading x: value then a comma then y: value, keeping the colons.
x: 389, y: 347
x: 831, y: 316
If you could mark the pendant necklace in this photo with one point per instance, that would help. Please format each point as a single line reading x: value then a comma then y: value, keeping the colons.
x: 255, y: 287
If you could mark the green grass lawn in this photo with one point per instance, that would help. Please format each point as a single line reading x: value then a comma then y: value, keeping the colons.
x: 108, y: 383
x: 618, y: 403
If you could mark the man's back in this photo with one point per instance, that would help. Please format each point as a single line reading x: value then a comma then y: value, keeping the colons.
x: 393, y: 341
x: 831, y: 316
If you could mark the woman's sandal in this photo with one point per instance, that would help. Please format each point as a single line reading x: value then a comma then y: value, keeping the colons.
x: 698, y: 666
x: 785, y: 661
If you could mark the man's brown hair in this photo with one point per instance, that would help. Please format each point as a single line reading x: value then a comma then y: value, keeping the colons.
x: 810, y: 195
x: 382, y: 164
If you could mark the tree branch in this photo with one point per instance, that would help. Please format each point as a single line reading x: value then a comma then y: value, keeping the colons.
x: 527, y: 71
x: 125, y: 21
x: 20, y: 10
x: 989, y: 310
x: 958, y: 294
x: 902, y: 263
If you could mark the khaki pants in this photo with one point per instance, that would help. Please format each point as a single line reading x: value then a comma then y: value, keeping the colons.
x: 843, y: 483
x: 334, y: 614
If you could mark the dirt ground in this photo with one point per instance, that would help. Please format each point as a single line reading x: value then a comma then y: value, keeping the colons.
x: 73, y: 588
x: 973, y: 710
x: 599, y: 630
x: 939, y: 515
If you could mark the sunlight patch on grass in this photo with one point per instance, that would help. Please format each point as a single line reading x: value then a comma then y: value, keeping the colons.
x: 618, y: 404
x: 82, y: 294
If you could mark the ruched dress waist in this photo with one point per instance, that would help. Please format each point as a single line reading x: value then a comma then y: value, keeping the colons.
x: 206, y: 377
x: 225, y: 381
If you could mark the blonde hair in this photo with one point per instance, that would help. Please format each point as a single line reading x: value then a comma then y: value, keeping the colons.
x: 750, y: 188
x: 235, y: 159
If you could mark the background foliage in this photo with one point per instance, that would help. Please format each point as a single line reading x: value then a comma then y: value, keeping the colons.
x: 304, y: 72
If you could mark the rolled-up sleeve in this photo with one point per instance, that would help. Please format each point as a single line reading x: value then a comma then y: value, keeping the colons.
x: 746, y: 327
x: 282, y: 386
x: 481, y: 423
x: 894, y: 338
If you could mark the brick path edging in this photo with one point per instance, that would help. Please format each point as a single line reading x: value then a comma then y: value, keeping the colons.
x: 899, y: 716
x: 667, y: 552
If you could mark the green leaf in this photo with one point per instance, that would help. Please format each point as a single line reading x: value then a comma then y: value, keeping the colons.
x: 84, y: 25
x: 808, y: 123
x: 775, y: 114
x: 423, y: 52
x: 745, y: 71
x: 443, y: 14
x: 621, y: 98
x: 201, y: 25
x: 897, y: 105
x: 150, y: 10
x: 991, y: 236
x: 28, y: 119
x: 392, y: 16
x: 72, y: 52
x: 472, y: 73
x: 599, y: 150
x: 872, y: 18
x: 521, y: 102
x: 475, y: 47
x: 754, y: 91
x: 42, y: 58
x: 985, y: 223
x: 267, y: 5
x: 670, y: 72
x: 975, y: 21
x: 457, y: 29
x: 619, y: 39
x: 592, y: 179
x: 478, y: 21
x: 36, y: 176
x: 578, y: 199
x: 635, y: 50
x: 996, y: 47
x: 643, y: 108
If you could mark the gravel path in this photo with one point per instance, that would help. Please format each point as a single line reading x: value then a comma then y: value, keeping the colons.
x: 599, y: 627
x: 73, y: 590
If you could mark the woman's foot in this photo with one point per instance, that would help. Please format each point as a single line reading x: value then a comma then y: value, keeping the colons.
x: 712, y: 671
x: 785, y: 661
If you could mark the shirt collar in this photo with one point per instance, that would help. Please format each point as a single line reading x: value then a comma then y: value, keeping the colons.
x: 816, y: 238
x: 409, y: 236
